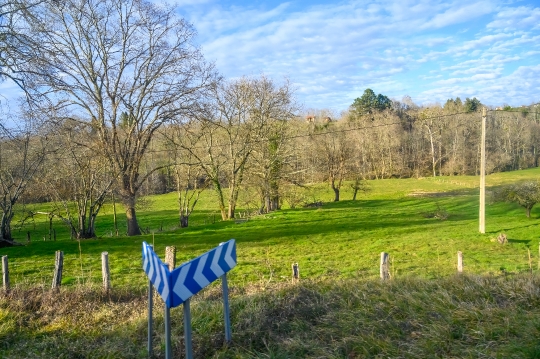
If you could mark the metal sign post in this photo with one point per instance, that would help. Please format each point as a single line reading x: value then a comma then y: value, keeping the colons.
x: 168, y: 349
x: 226, y: 312
x: 150, y: 317
x: 187, y: 330
x: 177, y: 286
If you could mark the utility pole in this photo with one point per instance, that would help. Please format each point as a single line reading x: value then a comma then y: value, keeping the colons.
x: 483, y: 174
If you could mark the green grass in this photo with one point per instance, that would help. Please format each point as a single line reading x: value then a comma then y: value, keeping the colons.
x: 340, y: 309
x: 342, y: 239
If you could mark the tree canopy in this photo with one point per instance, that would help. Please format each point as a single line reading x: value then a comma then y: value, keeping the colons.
x: 369, y: 102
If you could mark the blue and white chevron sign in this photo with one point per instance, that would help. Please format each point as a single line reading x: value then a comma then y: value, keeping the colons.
x: 194, y: 275
x: 157, y: 271
x: 183, y: 282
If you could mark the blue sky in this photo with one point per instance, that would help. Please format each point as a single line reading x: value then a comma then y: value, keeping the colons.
x: 333, y: 50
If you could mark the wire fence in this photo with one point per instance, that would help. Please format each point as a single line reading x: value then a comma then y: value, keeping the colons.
x: 126, y: 270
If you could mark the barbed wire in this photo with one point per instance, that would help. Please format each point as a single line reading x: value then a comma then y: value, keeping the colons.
x: 513, y: 263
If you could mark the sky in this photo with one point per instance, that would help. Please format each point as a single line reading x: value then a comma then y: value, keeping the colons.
x: 331, y: 51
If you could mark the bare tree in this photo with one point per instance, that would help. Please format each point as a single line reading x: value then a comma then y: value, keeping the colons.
x: 190, y: 183
x: 275, y: 106
x: 21, y: 154
x: 227, y: 133
x: 332, y: 153
x: 126, y: 67
x: 189, y: 176
x: 77, y: 180
x: 17, y: 47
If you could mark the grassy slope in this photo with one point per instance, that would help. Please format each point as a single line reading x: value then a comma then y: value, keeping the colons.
x: 340, y: 239
x: 339, y: 242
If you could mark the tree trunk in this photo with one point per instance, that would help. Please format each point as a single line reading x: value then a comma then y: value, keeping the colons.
x: 265, y: 207
x: 50, y: 227
x: 132, y: 224
x: 91, y: 229
x: 528, y: 209
x: 274, y: 203
x: 274, y: 195
x: 232, y: 198
x: 184, y: 220
x: 5, y: 225
x: 232, y: 209
x: 335, y: 188
x: 336, y: 194
x: 221, y: 201
x: 114, y: 214
x: 433, y: 161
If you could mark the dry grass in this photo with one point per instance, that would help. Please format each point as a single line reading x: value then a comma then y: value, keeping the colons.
x: 455, y: 317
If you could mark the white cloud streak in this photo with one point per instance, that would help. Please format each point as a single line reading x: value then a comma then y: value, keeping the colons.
x: 332, y: 51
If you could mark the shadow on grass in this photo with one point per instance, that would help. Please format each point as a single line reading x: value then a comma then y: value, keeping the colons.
x: 333, y: 220
x: 523, y: 241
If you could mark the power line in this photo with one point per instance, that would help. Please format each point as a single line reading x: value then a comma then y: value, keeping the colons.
x: 351, y: 129
x: 332, y: 132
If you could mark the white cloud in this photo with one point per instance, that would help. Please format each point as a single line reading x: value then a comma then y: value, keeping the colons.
x: 458, y: 13
x: 522, y: 17
x: 431, y: 50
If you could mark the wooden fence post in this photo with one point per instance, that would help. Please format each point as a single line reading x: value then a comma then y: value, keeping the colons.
x: 105, y: 271
x: 530, y: 260
x: 385, y: 271
x: 58, y: 266
x: 5, y: 273
x: 460, y: 262
x: 295, y: 273
x: 170, y: 257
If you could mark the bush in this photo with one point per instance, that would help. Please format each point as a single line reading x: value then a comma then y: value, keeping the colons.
x: 526, y: 194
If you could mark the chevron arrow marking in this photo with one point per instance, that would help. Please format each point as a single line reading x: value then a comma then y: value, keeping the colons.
x: 207, y: 270
x: 179, y: 285
x: 179, y: 288
x: 158, y: 275
x: 165, y: 292
x: 145, y: 257
x: 199, y: 276
x: 151, y: 269
x: 215, y: 267
x: 228, y: 256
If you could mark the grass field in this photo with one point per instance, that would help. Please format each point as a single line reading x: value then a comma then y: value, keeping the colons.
x: 337, y: 247
x: 342, y: 239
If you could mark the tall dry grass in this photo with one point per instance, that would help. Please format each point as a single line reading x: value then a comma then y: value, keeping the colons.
x: 455, y: 317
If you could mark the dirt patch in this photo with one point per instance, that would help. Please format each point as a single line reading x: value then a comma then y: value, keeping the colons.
x: 438, y: 194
